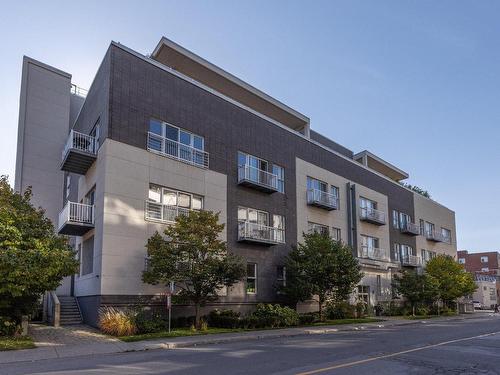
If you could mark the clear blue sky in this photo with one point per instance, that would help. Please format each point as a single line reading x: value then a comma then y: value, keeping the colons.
x: 415, y: 82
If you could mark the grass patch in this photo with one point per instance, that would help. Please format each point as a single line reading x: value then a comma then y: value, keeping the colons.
x: 178, y: 332
x: 181, y: 332
x: 418, y: 317
x: 347, y: 321
x: 16, y: 343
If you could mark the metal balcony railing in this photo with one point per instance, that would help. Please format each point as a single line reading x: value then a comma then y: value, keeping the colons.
x: 372, y: 215
x: 322, y: 199
x: 410, y: 260
x: 79, y: 91
x: 410, y: 228
x: 163, y: 213
x: 176, y: 150
x: 80, y: 142
x: 76, y: 218
x: 254, y: 232
x: 374, y: 253
x: 255, y: 177
x: 436, y: 236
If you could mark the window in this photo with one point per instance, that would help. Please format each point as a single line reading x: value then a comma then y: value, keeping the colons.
x: 428, y: 227
x: 280, y: 173
x: 68, y: 185
x: 406, y: 251
x: 461, y: 260
x: 314, y: 184
x: 395, y: 219
x: 484, y: 259
x: 397, y: 251
x: 253, y: 216
x: 318, y: 228
x: 90, y: 197
x: 176, y: 142
x: 379, y: 285
x: 369, y: 242
x: 281, y: 276
x: 336, y: 234
x: 87, y: 257
x: 422, y: 229
x: 492, y: 293
x: 428, y: 255
x: 367, y: 204
x: 251, y: 287
x: 279, y: 223
x: 364, y: 294
x: 96, y: 133
x: 166, y: 204
x: 485, y: 269
x: 335, y: 191
x: 446, y: 234
x: 404, y: 219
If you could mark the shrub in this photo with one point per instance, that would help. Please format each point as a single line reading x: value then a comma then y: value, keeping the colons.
x: 269, y: 315
x: 116, y: 322
x: 340, y: 310
x: 8, y: 327
x: 224, y: 319
x: 392, y: 309
x: 308, y: 318
x: 422, y: 310
x: 150, y: 323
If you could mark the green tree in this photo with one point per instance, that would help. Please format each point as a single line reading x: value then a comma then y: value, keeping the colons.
x: 416, y: 189
x: 322, y: 267
x: 416, y: 288
x: 33, y: 259
x: 450, y: 278
x: 193, y: 256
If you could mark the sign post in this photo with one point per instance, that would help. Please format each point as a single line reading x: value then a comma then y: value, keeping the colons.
x: 169, y: 305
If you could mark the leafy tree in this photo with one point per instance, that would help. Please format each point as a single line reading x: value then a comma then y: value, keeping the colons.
x: 416, y: 288
x: 451, y: 280
x: 193, y: 256
x: 416, y: 189
x: 33, y: 259
x: 323, y: 267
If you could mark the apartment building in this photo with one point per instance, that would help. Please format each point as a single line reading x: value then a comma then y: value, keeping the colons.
x: 486, y: 292
x: 482, y: 264
x: 158, y: 135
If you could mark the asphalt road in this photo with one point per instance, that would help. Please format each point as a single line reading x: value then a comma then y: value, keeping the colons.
x: 455, y: 347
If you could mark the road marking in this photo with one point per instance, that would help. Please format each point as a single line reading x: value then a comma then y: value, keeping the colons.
x: 371, y: 359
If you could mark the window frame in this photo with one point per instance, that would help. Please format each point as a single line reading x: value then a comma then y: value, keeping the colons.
x: 254, y: 278
x: 164, y: 189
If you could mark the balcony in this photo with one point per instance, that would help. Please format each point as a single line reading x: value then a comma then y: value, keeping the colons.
x: 410, y: 228
x: 79, y: 153
x: 372, y: 215
x: 411, y: 261
x: 76, y: 219
x: 257, y: 178
x: 176, y: 150
x: 163, y: 213
x: 374, y: 253
x: 258, y: 233
x: 435, y: 236
x: 322, y: 199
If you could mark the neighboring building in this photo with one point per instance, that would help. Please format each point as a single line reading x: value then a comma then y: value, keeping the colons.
x: 486, y: 292
x: 160, y: 135
x: 485, y: 263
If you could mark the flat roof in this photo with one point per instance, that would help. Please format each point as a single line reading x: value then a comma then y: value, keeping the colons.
x: 188, y: 63
x: 372, y: 161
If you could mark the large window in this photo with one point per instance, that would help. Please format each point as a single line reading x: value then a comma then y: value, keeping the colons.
x: 446, y: 234
x: 400, y: 219
x: 318, y: 228
x: 87, y: 256
x: 367, y: 204
x: 427, y: 255
x: 280, y: 276
x: 166, y: 204
x: 319, y: 185
x: 369, y: 242
x: 176, y: 142
x: 254, y: 216
x: 251, y: 285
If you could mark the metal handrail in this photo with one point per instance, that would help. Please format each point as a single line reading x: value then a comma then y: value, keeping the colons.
x: 79, y: 141
x: 413, y: 260
x: 372, y: 214
x: 436, y: 235
x: 251, y: 173
x: 79, y: 91
x: 322, y: 197
x: 176, y: 150
x: 260, y: 232
x: 163, y: 213
x: 76, y: 213
x: 373, y: 253
x: 410, y: 227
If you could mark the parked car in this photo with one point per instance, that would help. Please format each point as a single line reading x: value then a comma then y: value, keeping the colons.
x: 477, y: 305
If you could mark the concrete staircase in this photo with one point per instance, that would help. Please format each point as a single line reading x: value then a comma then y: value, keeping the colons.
x: 70, y: 312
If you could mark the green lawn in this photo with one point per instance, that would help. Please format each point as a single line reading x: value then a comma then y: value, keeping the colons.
x: 418, y: 317
x: 179, y: 332
x: 16, y: 343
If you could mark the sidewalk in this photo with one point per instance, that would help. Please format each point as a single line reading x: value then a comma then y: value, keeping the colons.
x: 81, y: 340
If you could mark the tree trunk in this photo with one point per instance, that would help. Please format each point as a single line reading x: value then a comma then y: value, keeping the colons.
x: 413, y: 309
x: 320, y: 299
x: 197, y: 321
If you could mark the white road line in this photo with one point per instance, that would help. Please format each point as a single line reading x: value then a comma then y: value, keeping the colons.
x: 371, y: 359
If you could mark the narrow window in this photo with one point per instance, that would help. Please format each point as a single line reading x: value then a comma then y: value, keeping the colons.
x: 251, y: 287
x: 281, y: 276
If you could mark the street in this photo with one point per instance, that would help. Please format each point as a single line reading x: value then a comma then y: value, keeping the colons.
x: 469, y: 346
